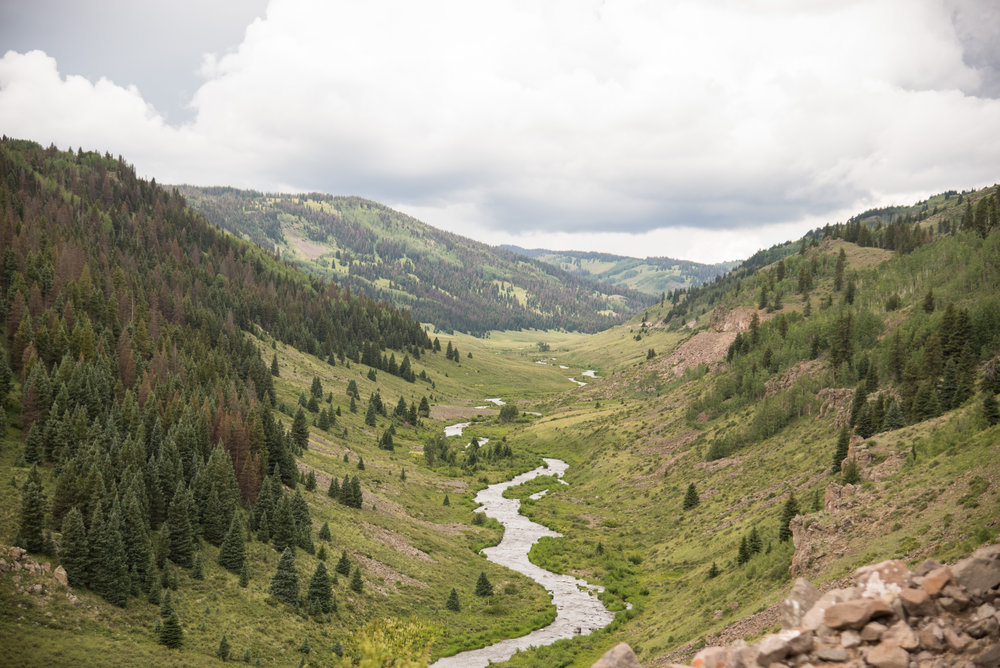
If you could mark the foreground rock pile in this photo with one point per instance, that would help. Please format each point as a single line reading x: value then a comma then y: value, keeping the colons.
x: 936, y: 617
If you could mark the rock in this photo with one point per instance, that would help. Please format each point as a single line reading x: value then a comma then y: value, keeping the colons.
x: 60, y: 575
x: 988, y: 552
x: 802, y: 598
x: 987, y: 626
x: 989, y: 658
x: 955, y: 642
x: 978, y: 573
x: 854, y: 614
x: 917, y: 602
x: 931, y: 637
x: 901, y: 634
x: 16, y: 553
x: 883, y: 578
x: 619, y: 656
x: 850, y: 639
x: 711, y: 657
x: 777, y: 646
x: 873, y: 631
x: 813, y: 619
x: 957, y: 601
x: 833, y: 654
x: 926, y: 567
x: 888, y: 655
x: 936, y: 580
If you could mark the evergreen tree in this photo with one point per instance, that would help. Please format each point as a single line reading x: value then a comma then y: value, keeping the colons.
x: 300, y: 431
x: 324, y: 532
x: 311, y: 481
x: 284, y: 530
x: 713, y: 571
x: 843, y: 443
x: 356, y: 583
x: 244, y: 574
x: 928, y: 303
x: 852, y: 475
x: 788, y: 511
x: 109, y: 570
x: 743, y: 554
x: 452, y: 603
x: 754, y: 543
x: 838, y: 273
x: 691, y: 497
x: 73, y: 550
x: 356, y: 498
x: 317, y: 388
x: 990, y: 410
x: 344, y: 565
x: 354, y: 407
x: 370, y: 415
x: 334, y: 490
x: 483, y: 586
x: 171, y: 633
x: 233, y: 552
x: 894, y: 418
x: 319, y: 595
x: 223, y: 651
x: 274, y: 366
x: 264, y: 529
x: 32, y: 519
x: 285, y: 583
x: 181, y: 546
x: 446, y: 501
x: 424, y: 410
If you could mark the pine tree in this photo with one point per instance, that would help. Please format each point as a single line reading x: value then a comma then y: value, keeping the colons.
x: 198, y: 569
x: 843, y: 443
x: 317, y: 387
x: 73, y: 550
x: 274, y: 366
x: 334, y: 490
x: 300, y: 430
x: 356, y: 583
x: 181, y: 547
x: 743, y: 554
x: 452, y: 603
x: 244, y: 574
x: 691, y: 497
x: 285, y: 583
x: 344, y: 565
x: 990, y: 410
x: 171, y: 633
x: 284, y: 530
x: 446, y: 501
x: 894, y: 418
x: 311, y: 481
x: 32, y: 520
x: 223, y: 651
x: 928, y: 303
x: 713, y: 571
x: 324, y: 532
x: 233, y: 552
x: 109, y: 569
x: 788, y: 511
x: 319, y: 595
x: 852, y: 475
x: 483, y: 586
x: 754, y: 543
x: 370, y: 415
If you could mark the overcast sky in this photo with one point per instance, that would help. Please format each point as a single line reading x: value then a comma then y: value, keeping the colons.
x: 702, y: 130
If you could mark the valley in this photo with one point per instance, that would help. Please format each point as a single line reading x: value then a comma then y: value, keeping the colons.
x: 825, y: 405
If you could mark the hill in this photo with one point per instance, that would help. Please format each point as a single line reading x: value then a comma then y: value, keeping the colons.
x: 653, y: 275
x: 442, y: 278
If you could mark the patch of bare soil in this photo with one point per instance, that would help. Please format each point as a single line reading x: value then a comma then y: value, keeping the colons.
x: 735, y: 320
x: 446, y: 413
x: 382, y: 578
x: 702, y: 348
x: 305, y: 248
x: 396, y: 542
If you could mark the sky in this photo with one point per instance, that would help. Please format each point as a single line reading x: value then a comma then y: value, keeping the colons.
x: 701, y: 129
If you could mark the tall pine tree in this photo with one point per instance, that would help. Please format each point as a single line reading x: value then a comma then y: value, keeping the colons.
x: 285, y: 583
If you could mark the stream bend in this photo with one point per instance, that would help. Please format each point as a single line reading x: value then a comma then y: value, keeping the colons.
x: 578, y: 610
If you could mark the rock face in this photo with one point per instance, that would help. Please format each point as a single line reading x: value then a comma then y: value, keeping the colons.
x: 619, y: 656
x: 938, y: 617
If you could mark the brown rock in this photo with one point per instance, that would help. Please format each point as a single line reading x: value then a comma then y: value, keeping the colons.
x: 16, y: 553
x: 931, y: 637
x: 917, y: 602
x: 888, y: 655
x: 777, y: 646
x: 954, y: 599
x: 887, y: 577
x: 873, y: 631
x: 832, y: 654
x: 987, y: 626
x: 936, y: 580
x: 813, y: 619
x: 849, y: 639
x: 802, y: 598
x: 989, y: 658
x: 619, y: 656
x: 854, y: 614
x: 901, y: 634
x: 60, y: 575
x: 926, y: 567
x: 955, y: 641
x: 711, y: 657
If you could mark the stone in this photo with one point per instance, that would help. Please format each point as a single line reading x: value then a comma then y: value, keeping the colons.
x: 854, y: 614
x: 801, y: 599
x: 16, y: 553
x: 873, y: 631
x: 917, y: 602
x: 931, y: 637
x: 989, y: 658
x: 711, y: 657
x: 978, y: 573
x: 988, y: 552
x: 833, y: 654
x: 777, y: 646
x: 813, y: 619
x: 936, y: 580
x: 926, y: 567
x: 883, y: 578
x: 957, y: 601
x: 60, y: 575
x: 850, y: 639
x: 955, y: 642
x: 901, y: 634
x: 987, y: 626
x: 619, y: 656
x: 888, y: 655
x: 985, y: 610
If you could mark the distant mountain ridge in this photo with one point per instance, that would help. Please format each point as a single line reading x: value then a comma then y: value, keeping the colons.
x: 652, y: 275
x: 442, y: 278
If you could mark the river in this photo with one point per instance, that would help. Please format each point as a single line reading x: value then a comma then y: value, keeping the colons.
x: 578, y: 610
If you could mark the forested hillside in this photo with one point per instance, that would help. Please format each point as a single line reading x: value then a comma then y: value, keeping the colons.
x: 442, y: 278
x: 651, y: 275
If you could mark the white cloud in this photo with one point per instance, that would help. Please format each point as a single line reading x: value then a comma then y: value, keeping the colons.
x: 631, y: 123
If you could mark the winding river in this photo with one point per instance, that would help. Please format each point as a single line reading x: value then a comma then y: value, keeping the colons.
x: 578, y: 610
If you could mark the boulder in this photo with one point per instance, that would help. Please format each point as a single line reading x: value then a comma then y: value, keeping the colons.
x: 854, y: 614
x: 990, y: 657
x: 712, y: 657
x: 813, y: 619
x: 883, y: 578
x: 926, y: 567
x: 777, y: 646
x: 619, y: 656
x: 901, y: 634
x: 916, y: 602
x: 833, y: 654
x: 936, y: 580
x: 802, y: 598
x: 979, y: 572
x: 932, y: 637
x: 60, y: 575
x: 873, y: 631
x: 888, y: 655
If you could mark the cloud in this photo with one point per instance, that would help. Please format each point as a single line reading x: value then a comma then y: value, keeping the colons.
x: 593, y: 121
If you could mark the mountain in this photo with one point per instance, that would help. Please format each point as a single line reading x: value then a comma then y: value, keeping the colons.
x: 652, y: 275
x: 442, y: 278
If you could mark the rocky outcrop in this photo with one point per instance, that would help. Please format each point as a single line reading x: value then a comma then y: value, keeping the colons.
x: 934, y: 617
